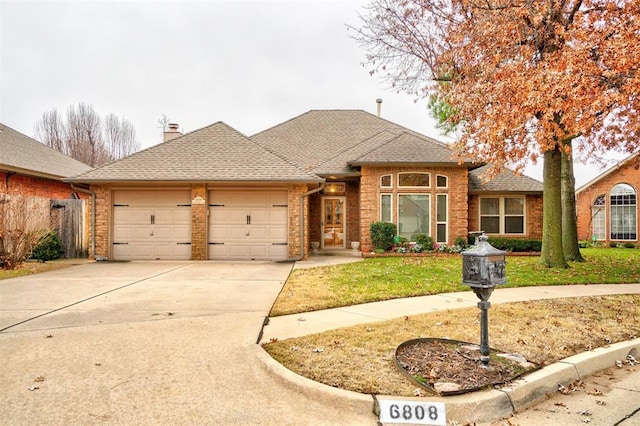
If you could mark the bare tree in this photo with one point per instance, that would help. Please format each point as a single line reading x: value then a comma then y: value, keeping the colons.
x: 85, y: 136
x: 120, y: 137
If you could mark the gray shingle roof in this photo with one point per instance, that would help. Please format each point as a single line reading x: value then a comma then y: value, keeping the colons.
x: 506, y: 181
x: 214, y: 153
x: 20, y: 153
x: 408, y: 148
x: 326, y: 141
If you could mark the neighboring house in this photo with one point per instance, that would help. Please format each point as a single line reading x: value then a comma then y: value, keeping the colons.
x: 607, y: 206
x: 32, y: 192
x: 323, y: 176
x: 30, y: 168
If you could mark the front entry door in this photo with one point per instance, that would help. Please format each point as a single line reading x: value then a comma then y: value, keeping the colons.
x: 333, y: 222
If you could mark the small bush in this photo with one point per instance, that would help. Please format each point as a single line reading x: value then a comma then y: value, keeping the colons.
x: 461, y: 242
x: 425, y: 241
x: 629, y: 245
x: 382, y: 234
x: 49, y: 247
x: 613, y: 244
x: 515, y: 245
x: 583, y: 244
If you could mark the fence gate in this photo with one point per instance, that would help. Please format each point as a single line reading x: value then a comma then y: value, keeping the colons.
x: 68, y: 218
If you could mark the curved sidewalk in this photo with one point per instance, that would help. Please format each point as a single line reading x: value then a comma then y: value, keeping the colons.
x: 491, y: 405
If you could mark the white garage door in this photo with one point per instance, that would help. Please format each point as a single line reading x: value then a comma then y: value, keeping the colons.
x: 152, y: 225
x: 249, y: 225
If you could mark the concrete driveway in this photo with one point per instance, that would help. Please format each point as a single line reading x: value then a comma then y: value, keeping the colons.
x: 148, y: 343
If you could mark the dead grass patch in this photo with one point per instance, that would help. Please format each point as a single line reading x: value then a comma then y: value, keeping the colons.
x: 361, y: 358
x: 29, y: 268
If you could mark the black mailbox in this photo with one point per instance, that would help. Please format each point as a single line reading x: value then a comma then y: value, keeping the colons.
x: 483, y: 265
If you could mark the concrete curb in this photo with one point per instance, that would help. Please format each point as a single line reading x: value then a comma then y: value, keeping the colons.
x: 482, y: 406
x: 338, y: 399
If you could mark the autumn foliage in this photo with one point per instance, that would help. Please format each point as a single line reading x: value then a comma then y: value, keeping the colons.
x: 523, y: 78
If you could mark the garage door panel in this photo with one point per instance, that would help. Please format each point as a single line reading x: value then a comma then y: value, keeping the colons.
x: 151, y: 224
x: 267, y: 214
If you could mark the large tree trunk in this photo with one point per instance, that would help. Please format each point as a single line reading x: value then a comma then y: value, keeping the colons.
x: 569, y: 223
x: 552, y: 254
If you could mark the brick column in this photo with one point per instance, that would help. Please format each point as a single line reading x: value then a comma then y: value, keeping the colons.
x: 199, y: 243
x: 103, y: 212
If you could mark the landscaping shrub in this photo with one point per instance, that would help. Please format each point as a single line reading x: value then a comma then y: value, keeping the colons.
x: 461, y: 242
x: 515, y: 245
x: 49, y: 247
x: 629, y: 245
x: 425, y: 242
x: 382, y: 234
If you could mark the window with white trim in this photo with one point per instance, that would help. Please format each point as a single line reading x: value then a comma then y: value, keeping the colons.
x: 623, y: 210
x: 413, y: 215
x: 442, y: 181
x: 386, y: 181
x: 414, y: 180
x: 386, y: 208
x: 599, y: 218
x: 502, y: 215
x: 441, y: 218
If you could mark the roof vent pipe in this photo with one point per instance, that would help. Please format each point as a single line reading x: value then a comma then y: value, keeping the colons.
x: 379, y: 102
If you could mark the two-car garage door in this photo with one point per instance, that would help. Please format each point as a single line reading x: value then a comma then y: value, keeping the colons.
x: 242, y: 224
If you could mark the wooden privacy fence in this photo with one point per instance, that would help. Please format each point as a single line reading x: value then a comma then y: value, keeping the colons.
x: 69, y: 220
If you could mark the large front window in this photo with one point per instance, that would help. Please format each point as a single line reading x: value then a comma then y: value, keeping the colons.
x: 502, y: 215
x: 413, y: 215
x: 623, y: 212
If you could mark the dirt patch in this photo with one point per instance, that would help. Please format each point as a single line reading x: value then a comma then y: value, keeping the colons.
x: 449, y: 367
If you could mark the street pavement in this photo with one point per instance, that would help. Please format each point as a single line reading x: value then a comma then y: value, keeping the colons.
x: 175, y: 343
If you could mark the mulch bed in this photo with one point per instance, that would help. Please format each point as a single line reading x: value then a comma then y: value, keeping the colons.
x: 450, y: 367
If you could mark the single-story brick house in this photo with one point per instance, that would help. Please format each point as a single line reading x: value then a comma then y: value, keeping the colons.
x: 607, y: 206
x: 29, y: 168
x: 323, y: 176
x: 33, y: 196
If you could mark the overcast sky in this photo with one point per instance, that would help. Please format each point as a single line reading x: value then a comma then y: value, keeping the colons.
x: 251, y: 64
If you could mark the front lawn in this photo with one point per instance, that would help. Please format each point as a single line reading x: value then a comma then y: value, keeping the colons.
x: 386, y: 278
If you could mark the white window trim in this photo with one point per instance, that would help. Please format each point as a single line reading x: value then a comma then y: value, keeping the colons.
x: 631, y: 207
x: 414, y: 187
x: 431, y: 218
x: 502, y: 214
x: 390, y: 195
x: 603, y: 210
x: 390, y: 180
x: 442, y: 187
x: 446, y: 222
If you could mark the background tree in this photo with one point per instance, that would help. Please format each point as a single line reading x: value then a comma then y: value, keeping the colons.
x: 524, y: 78
x: 85, y: 136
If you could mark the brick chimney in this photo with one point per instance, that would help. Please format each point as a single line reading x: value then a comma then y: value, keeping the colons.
x: 172, y: 132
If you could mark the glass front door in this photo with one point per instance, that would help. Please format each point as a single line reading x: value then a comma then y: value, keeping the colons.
x: 333, y: 222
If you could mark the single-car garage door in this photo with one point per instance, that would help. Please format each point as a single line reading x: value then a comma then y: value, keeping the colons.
x: 152, y: 225
x: 248, y: 225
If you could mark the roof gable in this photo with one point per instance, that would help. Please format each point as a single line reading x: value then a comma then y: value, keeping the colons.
x: 20, y: 153
x: 633, y: 160
x: 326, y: 141
x: 408, y: 148
x: 214, y: 153
x: 506, y: 181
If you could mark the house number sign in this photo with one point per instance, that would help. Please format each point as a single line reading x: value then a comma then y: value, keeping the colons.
x: 412, y: 412
x: 197, y: 200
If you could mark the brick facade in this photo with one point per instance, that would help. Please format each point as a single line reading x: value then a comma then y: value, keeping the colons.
x: 32, y: 186
x: 627, y: 172
x: 456, y: 191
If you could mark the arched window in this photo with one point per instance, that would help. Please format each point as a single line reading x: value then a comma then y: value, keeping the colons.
x: 599, y: 218
x: 624, y: 217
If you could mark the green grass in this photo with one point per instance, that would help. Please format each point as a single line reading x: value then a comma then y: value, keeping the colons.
x: 387, y: 278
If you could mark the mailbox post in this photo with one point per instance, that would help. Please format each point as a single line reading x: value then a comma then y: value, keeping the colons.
x: 483, y: 268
